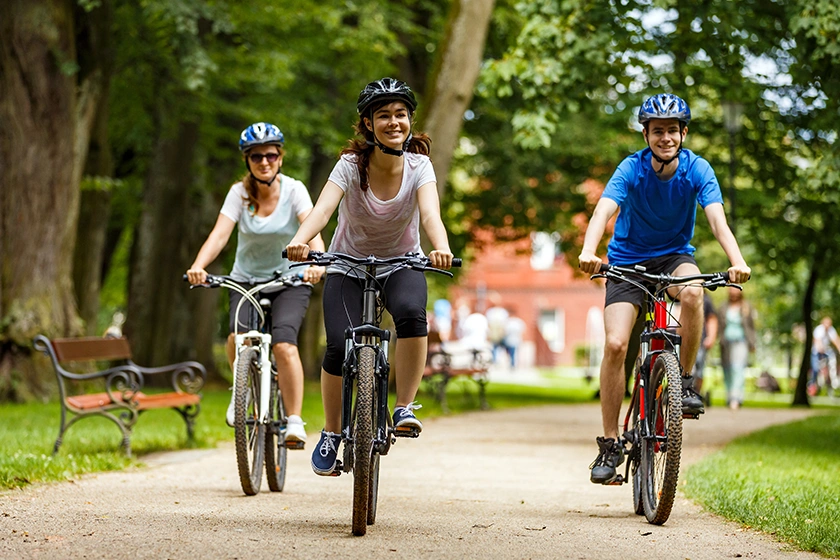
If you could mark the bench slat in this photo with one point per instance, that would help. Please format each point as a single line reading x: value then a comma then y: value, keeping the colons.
x: 91, y: 348
x: 144, y: 401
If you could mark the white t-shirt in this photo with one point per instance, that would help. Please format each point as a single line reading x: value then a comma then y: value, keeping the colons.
x: 825, y: 335
x: 384, y: 228
x: 259, y: 250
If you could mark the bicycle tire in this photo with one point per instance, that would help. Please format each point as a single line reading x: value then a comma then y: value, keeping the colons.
x: 275, y: 444
x: 661, y: 457
x: 363, y: 440
x: 249, y: 434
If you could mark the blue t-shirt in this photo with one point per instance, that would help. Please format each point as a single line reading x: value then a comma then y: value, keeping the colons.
x: 656, y: 217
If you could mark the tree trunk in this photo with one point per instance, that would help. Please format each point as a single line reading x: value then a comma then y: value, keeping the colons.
x: 45, y: 108
x: 159, y: 324
x: 451, y: 88
x: 800, y: 396
x: 94, y: 210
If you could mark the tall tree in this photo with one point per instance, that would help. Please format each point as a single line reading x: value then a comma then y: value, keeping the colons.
x: 47, y: 106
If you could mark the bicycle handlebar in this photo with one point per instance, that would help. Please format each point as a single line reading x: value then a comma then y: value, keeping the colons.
x: 216, y: 281
x: 711, y: 281
x: 413, y: 260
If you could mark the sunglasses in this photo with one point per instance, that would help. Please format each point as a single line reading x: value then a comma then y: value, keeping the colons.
x: 257, y: 158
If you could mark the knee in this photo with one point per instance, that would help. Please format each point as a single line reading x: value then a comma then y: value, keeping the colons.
x: 691, y: 298
x: 615, y: 347
x: 285, y: 352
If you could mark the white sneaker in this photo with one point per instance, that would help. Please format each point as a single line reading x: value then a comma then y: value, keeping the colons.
x: 229, y: 413
x: 294, y: 429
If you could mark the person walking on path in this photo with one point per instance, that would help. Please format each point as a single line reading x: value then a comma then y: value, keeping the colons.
x: 655, y: 192
x: 737, y: 342
x: 267, y: 207
x: 709, y: 337
x: 385, y: 188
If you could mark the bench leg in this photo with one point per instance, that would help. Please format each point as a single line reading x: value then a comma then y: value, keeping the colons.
x: 482, y: 394
x: 444, y: 404
x: 188, y: 413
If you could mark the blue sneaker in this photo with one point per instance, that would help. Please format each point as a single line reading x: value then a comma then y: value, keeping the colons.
x: 405, y: 421
x: 325, y: 454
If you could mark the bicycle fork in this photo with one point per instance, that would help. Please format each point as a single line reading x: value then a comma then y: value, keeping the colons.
x: 264, y: 341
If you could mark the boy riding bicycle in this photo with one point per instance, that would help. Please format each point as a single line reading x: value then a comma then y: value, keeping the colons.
x: 656, y: 192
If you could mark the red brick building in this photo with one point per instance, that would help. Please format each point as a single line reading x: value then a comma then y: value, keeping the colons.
x: 563, y: 310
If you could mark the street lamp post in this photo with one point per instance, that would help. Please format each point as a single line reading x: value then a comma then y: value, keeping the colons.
x: 732, y: 111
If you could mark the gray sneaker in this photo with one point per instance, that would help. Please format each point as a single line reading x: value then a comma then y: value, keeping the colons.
x: 610, y: 456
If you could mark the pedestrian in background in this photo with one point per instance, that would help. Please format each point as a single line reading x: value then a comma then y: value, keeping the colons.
x: 737, y: 342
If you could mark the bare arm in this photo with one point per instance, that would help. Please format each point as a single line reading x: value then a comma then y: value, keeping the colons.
x: 315, y: 221
x: 604, y: 210
x: 216, y: 241
x: 313, y: 273
x: 739, y: 271
x: 429, y: 204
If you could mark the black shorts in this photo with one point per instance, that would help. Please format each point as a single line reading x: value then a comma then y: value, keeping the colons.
x: 288, y: 307
x: 625, y: 291
x: 404, y: 293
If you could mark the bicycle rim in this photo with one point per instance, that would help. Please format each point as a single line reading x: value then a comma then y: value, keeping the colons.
x: 249, y: 434
x: 275, y: 447
x: 660, y: 459
x: 373, y: 491
x: 363, y: 440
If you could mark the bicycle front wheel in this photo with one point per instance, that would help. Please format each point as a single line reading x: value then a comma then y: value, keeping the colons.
x: 275, y: 445
x: 363, y: 440
x: 661, y: 448
x: 249, y: 432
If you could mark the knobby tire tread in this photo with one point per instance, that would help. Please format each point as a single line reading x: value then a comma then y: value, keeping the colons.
x: 659, y: 494
x: 363, y: 440
x: 249, y: 444
x: 275, y: 447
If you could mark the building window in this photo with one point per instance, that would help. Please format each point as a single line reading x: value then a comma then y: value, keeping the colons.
x: 545, y: 248
x: 552, y: 325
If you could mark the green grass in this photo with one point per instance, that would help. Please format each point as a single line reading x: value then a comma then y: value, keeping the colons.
x: 782, y: 480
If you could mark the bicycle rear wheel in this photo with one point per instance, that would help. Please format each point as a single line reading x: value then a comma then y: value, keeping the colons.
x: 660, y: 460
x: 363, y: 440
x: 249, y: 433
x: 275, y: 445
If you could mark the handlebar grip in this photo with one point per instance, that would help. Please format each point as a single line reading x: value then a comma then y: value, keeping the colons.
x: 285, y: 255
x: 604, y: 267
x: 456, y: 262
x: 185, y: 278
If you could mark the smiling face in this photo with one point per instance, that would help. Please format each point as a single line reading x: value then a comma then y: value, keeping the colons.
x: 665, y: 137
x: 258, y: 161
x: 391, y: 124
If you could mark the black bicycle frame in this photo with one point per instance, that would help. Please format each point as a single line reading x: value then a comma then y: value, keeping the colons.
x: 368, y: 334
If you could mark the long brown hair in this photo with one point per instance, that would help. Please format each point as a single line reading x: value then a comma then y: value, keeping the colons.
x: 362, y: 147
x: 252, y: 188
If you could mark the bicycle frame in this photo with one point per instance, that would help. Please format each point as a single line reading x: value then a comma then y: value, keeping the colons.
x: 367, y: 334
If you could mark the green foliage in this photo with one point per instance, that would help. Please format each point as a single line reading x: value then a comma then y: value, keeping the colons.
x: 780, y: 480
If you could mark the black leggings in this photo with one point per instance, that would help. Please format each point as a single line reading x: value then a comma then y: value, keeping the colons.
x: 404, y: 294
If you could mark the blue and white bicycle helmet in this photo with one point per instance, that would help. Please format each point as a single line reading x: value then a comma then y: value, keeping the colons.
x: 664, y: 106
x: 260, y: 134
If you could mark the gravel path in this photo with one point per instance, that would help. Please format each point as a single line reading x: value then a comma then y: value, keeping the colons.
x: 497, y: 484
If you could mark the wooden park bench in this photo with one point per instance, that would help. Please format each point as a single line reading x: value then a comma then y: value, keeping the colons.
x: 442, y: 367
x: 123, y: 398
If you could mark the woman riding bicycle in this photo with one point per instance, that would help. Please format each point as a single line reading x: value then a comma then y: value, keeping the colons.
x: 268, y: 207
x: 384, y: 187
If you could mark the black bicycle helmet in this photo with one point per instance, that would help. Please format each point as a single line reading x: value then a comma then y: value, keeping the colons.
x: 664, y: 106
x: 386, y: 89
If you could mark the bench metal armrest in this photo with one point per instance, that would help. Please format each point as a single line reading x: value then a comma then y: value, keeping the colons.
x: 186, y: 377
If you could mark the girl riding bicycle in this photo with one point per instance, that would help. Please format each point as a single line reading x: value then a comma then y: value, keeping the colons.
x: 268, y: 207
x: 384, y: 187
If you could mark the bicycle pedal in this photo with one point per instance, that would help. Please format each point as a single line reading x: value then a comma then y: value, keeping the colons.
x: 293, y: 444
x: 687, y: 416
x: 617, y: 481
x: 406, y: 432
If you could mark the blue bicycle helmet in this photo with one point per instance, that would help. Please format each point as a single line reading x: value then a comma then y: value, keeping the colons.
x: 260, y: 134
x: 664, y: 106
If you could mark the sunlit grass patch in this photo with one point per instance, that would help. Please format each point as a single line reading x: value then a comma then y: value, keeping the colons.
x: 782, y: 480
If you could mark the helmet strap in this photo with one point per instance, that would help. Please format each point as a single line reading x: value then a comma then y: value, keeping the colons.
x: 257, y: 179
x: 385, y: 149
x: 664, y: 162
